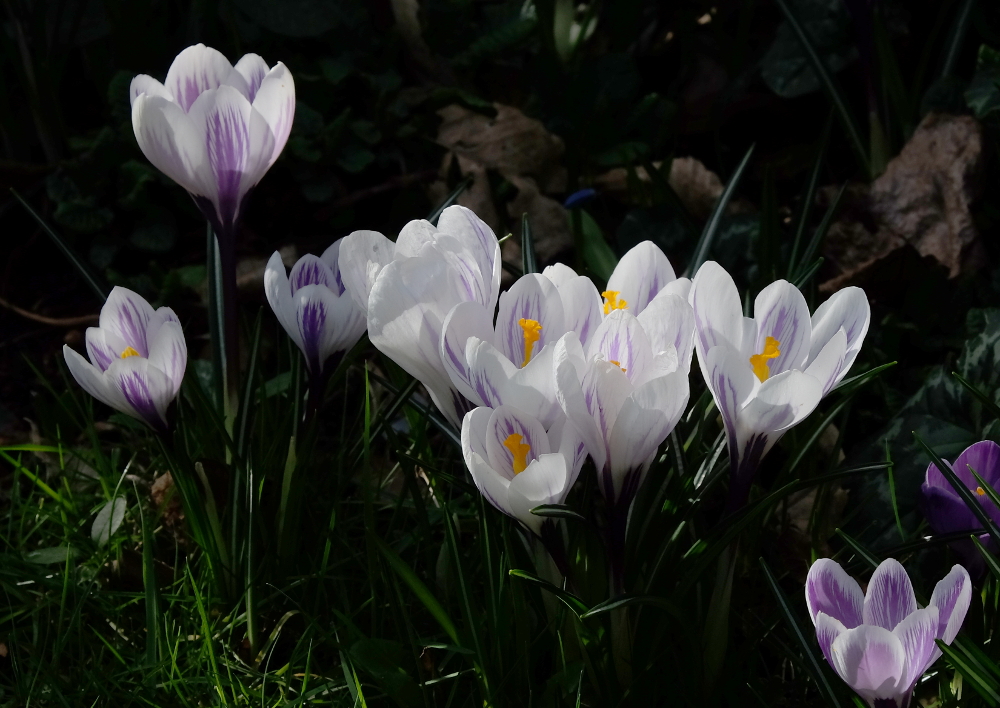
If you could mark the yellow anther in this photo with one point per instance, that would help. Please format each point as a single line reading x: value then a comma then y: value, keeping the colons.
x: 519, y: 450
x: 980, y: 491
x: 129, y: 351
x: 759, y: 361
x: 531, y: 328
x: 612, y: 301
x: 619, y: 365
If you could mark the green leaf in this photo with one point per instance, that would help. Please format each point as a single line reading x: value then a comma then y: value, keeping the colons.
x: 383, y: 660
x: 988, y: 558
x: 108, y: 520
x: 529, y: 263
x: 596, y: 252
x: 558, y: 511
x: 973, y: 670
x: 55, y: 554
x: 567, y: 598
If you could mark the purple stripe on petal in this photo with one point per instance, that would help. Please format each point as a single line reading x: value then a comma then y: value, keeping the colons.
x: 890, y: 596
x: 831, y: 591
x: 228, y: 143
x: 135, y: 389
x: 310, y: 270
x: 312, y: 318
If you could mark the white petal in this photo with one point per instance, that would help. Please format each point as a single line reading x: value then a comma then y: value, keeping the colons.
x: 669, y: 322
x: 93, y: 381
x: 275, y: 101
x: 581, y: 305
x: 531, y: 297
x: 143, y: 84
x: 331, y: 256
x: 731, y: 382
x: 168, y: 353
x: 490, y: 483
x: 681, y: 287
x: 532, y: 388
x: 414, y: 238
x: 781, y: 312
x: 489, y: 373
x: 605, y: 390
x: 952, y: 596
x: 827, y: 631
x: 545, y: 481
x: 640, y: 275
x: 474, y: 428
x: 363, y: 255
x: 828, y: 366
x: 569, y: 367
x: 326, y: 323
x: 480, y: 241
x: 847, y: 309
x: 171, y: 141
x: 127, y: 315
x: 565, y: 438
x: 103, y: 347
x: 621, y: 339
x: 559, y: 274
x: 871, y: 660
x: 147, y: 390
x: 465, y: 320
x: 279, y: 297
x: 505, y: 422
x: 916, y: 632
x: 781, y: 402
x: 718, y: 315
x: 253, y: 69
x: 194, y: 71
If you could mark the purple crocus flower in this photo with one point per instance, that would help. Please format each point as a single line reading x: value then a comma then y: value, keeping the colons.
x: 214, y: 128
x: 137, y: 358
x: 314, y: 307
x: 881, y: 643
x: 944, y: 509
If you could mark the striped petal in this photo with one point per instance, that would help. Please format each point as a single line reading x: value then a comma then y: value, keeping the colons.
x: 890, y: 596
x: 195, y: 70
x: 171, y: 140
x: 126, y: 315
x: 147, y: 390
x: 275, y: 102
x: 718, y: 315
x: 781, y: 312
x: 640, y: 275
x: 831, y: 591
x: 253, y: 69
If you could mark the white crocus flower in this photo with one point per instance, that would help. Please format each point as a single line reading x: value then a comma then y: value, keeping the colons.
x: 768, y: 373
x: 517, y: 464
x: 213, y: 128
x: 408, y: 288
x: 511, y: 363
x: 137, y: 358
x: 313, y: 306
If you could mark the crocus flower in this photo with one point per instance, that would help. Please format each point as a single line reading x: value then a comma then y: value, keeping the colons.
x: 213, y: 128
x: 946, y: 512
x: 517, y: 464
x: 313, y: 306
x: 768, y: 373
x: 881, y: 643
x: 137, y: 358
x: 408, y: 288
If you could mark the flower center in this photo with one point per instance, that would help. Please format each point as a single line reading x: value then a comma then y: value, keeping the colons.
x: 612, y: 301
x: 759, y: 361
x: 619, y: 365
x: 980, y: 491
x: 519, y: 450
x: 532, y: 329
x: 129, y: 351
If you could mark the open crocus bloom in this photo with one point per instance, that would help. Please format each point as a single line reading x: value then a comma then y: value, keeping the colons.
x: 313, y: 306
x: 768, y: 373
x: 512, y: 363
x: 881, y: 643
x: 137, y: 358
x: 408, y: 289
x: 518, y: 465
x: 213, y: 128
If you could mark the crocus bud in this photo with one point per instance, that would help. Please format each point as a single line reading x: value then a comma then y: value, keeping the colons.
x: 213, y: 128
x: 137, y: 358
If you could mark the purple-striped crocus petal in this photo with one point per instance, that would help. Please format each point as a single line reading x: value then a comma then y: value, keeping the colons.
x: 363, y: 255
x: 731, y: 382
x: 605, y: 390
x: 93, y: 381
x: 531, y: 297
x: 531, y: 388
x: 890, y: 596
x: 103, y: 347
x: 489, y: 375
x: 168, y: 353
x: 781, y: 402
x: 718, y: 315
x: 171, y: 141
x: 871, y: 660
x: 147, y: 390
x: 195, y: 70
x: 621, y: 340
x: 145, y: 84
x: 275, y: 101
x: 311, y: 270
x: 831, y: 591
x: 781, y: 312
x: 951, y: 596
x: 828, y: 366
x: 847, y: 309
x: 331, y: 256
x: 581, y: 305
x: 570, y: 368
x: 560, y: 274
x: 640, y: 275
x: 566, y: 439
x: 318, y: 314
x: 545, y: 481
x: 504, y: 422
x: 161, y: 316
x: 253, y: 69
x: 490, y: 482
x: 127, y: 314
x: 916, y: 633
x: 827, y: 631
x: 669, y: 322
x: 480, y: 242
x: 465, y: 321
x: 279, y: 297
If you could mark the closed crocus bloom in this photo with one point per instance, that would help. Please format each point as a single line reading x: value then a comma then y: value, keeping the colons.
x: 137, y: 358
x: 881, y: 643
x: 511, y: 363
x: 213, y: 128
x: 408, y: 289
x: 517, y: 464
x: 313, y: 306
x: 768, y: 373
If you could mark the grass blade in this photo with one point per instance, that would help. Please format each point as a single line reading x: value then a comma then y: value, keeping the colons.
x: 809, y: 197
x: 824, y: 226
x: 968, y: 667
x: 567, y: 598
x: 956, y: 38
x: 450, y: 199
x: 987, y: 402
x: 558, y: 511
x: 704, y: 246
x: 988, y: 558
x: 865, y: 554
x: 529, y: 263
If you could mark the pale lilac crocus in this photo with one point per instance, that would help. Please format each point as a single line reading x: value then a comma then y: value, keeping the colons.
x: 881, y: 643
x: 137, y: 358
x: 769, y: 372
x: 407, y: 289
x: 214, y: 128
x: 314, y: 308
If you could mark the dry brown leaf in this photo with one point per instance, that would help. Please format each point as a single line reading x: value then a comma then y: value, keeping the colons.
x: 548, y: 219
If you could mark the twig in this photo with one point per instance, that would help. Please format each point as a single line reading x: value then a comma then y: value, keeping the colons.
x: 53, y: 321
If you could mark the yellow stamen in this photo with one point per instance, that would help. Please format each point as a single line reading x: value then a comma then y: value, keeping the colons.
x: 980, y: 491
x: 531, y: 334
x: 759, y: 361
x: 519, y: 450
x: 619, y: 365
x: 612, y: 302
x: 129, y: 351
